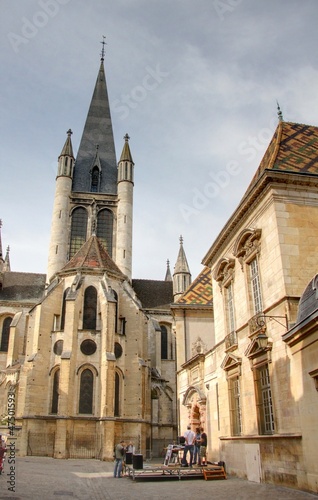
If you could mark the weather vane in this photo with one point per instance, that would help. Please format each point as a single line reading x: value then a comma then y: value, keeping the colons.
x: 103, y: 49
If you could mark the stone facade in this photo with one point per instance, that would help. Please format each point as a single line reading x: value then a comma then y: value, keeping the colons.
x: 87, y: 356
x: 258, y: 377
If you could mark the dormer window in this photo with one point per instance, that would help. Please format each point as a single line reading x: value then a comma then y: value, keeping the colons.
x: 95, y: 180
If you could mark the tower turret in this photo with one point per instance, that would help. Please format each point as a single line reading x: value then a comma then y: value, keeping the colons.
x: 125, y: 181
x: 181, y: 274
x: 58, y: 251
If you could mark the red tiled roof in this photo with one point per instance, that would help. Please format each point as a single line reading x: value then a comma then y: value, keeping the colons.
x: 93, y: 255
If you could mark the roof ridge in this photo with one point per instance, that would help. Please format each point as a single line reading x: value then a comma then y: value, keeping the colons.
x: 279, y: 130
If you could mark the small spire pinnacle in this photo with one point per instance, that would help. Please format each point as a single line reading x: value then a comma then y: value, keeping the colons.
x: 279, y: 113
x: 181, y: 240
x: 168, y: 276
x: 7, y: 266
x: 126, y: 137
x: 103, y: 49
x: 69, y: 132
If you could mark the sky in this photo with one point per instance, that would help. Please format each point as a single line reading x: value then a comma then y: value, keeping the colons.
x: 195, y: 84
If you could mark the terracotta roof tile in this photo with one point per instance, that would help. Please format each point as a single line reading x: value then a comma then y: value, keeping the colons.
x: 200, y: 290
x: 93, y: 255
x: 293, y: 148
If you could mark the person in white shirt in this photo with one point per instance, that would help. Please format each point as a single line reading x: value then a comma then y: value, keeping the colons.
x: 189, y: 445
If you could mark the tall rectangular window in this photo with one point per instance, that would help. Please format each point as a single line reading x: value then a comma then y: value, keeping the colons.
x: 235, y: 406
x: 230, y: 308
x: 264, y: 400
x: 256, y: 286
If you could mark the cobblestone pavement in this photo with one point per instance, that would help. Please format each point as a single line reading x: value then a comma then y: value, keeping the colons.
x: 39, y: 478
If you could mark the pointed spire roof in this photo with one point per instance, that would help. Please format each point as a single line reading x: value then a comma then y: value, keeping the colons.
x: 182, y: 263
x: 67, y: 148
x: 93, y: 256
x: 97, y: 131
x: 6, y: 266
x: 126, y: 154
x: 168, y: 272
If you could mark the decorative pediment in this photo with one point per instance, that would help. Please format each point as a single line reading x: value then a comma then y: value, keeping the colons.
x: 247, y: 245
x: 224, y: 270
x: 230, y: 361
x: 256, y: 348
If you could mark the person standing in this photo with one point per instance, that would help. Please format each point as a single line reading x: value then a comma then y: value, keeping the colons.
x: 189, y: 445
x: 119, y: 456
x: 203, y: 446
x: 131, y: 448
x: 197, y: 442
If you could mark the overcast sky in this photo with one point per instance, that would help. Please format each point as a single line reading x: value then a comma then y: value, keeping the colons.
x: 193, y: 82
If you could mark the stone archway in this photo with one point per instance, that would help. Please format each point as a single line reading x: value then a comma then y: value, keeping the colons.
x: 195, y: 401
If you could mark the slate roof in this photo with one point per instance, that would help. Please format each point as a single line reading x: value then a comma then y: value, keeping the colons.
x: 200, y: 290
x: 293, y: 148
x: 308, y: 302
x: 93, y: 255
x: 98, y: 132
x: 153, y: 293
x: 27, y: 287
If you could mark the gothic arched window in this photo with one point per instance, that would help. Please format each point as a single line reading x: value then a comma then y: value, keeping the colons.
x: 95, y: 180
x: 117, y: 393
x: 55, y: 392
x: 78, y: 229
x: 5, y: 334
x: 86, y: 392
x: 105, y: 229
x: 164, y: 342
x: 90, y: 308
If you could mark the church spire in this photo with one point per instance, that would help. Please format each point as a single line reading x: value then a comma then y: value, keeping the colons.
x: 168, y: 276
x: 97, y: 131
x: 181, y: 274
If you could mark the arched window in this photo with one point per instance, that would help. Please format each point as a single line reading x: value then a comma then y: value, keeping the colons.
x: 105, y: 229
x: 86, y: 392
x: 5, y: 334
x: 78, y: 230
x: 95, y: 180
x: 164, y: 342
x: 90, y: 308
x: 55, y: 392
x: 63, y: 309
x: 117, y: 394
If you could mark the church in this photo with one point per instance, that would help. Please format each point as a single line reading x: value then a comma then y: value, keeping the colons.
x: 88, y: 352
x: 91, y: 356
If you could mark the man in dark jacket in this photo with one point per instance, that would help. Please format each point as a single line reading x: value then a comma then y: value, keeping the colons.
x: 119, y: 456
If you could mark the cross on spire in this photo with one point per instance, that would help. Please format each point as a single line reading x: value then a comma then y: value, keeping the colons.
x: 103, y: 49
